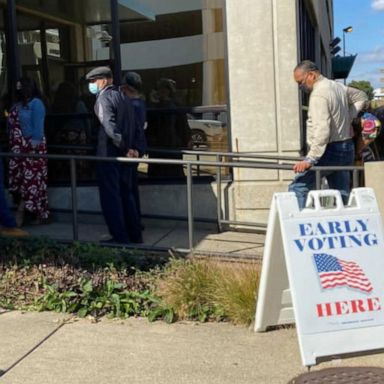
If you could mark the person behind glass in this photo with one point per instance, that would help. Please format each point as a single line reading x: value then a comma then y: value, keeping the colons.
x: 71, y: 128
x: 7, y: 221
x: 28, y: 176
x: 67, y: 101
x: 116, y: 138
x: 332, y: 107
x: 131, y: 86
x: 167, y: 129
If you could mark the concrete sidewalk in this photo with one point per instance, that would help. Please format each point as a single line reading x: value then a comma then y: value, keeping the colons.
x: 47, y: 348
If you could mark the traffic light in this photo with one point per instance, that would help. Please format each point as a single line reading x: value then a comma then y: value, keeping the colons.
x: 334, y: 47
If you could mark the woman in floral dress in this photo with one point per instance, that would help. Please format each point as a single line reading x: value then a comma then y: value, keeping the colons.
x: 27, y: 175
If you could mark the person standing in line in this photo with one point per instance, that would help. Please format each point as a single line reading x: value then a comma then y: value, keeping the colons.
x: 116, y: 138
x: 28, y: 176
x: 332, y: 107
x: 7, y: 221
x: 131, y: 86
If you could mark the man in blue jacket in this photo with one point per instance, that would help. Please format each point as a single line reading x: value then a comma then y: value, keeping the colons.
x: 116, y: 138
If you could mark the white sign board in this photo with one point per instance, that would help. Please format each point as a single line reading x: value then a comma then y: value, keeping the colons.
x: 328, y: 265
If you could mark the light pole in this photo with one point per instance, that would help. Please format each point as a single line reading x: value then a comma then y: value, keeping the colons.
x: 346, y: 30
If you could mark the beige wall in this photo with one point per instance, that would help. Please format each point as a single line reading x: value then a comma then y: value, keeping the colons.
x: 262, y: 50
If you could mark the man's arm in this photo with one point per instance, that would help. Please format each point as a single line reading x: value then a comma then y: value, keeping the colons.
x: 107, y: 114
x: 320, y: 132
x: 357, y: 100
x: 321, y: 127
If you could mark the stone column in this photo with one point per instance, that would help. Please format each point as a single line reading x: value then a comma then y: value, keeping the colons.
x: 264, y: 103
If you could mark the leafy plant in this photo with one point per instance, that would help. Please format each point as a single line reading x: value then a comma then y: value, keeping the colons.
x: 35, y: 251
x: 108, y: 297
x: 86, y: 279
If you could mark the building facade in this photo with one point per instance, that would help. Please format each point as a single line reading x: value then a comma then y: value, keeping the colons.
x: 231, y: 62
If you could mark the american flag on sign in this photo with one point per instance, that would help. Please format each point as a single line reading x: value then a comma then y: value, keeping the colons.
x: 334, y: 272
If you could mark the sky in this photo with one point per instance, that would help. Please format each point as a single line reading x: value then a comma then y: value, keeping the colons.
x: 366, y: 40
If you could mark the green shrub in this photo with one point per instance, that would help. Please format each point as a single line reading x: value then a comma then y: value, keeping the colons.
x: 108, y: 299
x: 90, y: 256
x: 86, y: 279
x: 105, y: 292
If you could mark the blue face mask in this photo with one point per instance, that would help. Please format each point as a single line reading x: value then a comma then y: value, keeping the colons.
x: 93, y: 88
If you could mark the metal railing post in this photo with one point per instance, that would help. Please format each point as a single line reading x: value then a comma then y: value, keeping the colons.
x: 318, y: 179
x: 355, y: 178
x: 218, y: 193
x: 75, y: 224
x: 190, y: 208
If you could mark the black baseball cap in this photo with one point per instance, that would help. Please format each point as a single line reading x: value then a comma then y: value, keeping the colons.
x: 133, y: 80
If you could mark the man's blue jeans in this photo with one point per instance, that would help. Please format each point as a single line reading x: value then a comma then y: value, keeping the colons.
x: 6, y: 217
x: 336, y: 153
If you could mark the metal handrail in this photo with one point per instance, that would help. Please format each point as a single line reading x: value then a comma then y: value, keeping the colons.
x: 244, y: 155
x: 218, y: 163
x: 237, y: 164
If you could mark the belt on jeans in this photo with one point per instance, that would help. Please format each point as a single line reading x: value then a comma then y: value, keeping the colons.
x: 341, y: 141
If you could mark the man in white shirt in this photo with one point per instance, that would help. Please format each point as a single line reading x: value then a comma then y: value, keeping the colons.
x: 332, y: 106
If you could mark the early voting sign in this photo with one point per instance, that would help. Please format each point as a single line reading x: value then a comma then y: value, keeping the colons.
x: 323, y: 268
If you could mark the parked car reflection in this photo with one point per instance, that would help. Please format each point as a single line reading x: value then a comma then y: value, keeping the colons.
x: 208, y: 134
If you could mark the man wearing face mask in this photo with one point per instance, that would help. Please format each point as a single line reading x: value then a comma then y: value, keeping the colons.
x: 116, y: 138
x: 332, y: 107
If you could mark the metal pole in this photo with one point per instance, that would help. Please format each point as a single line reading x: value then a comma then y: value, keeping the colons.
x: 345, y: 80
x: 13, y: 59
x: 318, y: 179
x: 355, y: 178
x: 44, y: 59
x: 75, y: 224
x: 190, y: 207
x: 218, y: 192
x: 115, y: 29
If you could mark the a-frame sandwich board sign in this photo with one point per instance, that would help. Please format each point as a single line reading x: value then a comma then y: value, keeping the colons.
x: 329, y: 263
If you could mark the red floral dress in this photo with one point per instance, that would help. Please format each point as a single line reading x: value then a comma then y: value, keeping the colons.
x: 27, y: 176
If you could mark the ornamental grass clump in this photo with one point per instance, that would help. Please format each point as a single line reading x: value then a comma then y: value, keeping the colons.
x: 186, y: 287
x: 209, y: 290
x: 236, y: 287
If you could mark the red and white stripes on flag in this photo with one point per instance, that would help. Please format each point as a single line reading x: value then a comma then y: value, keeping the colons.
x: 334, y: 272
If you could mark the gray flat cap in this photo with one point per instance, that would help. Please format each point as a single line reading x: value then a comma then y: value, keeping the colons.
x: 99, y: 73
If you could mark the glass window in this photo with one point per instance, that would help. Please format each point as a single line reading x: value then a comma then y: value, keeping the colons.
x: 179, y: 56
x: 4, y: 99
x: 168, y: 26
x: 307, y: 52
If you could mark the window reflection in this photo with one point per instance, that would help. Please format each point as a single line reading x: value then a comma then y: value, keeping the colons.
x: 184, y: 45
